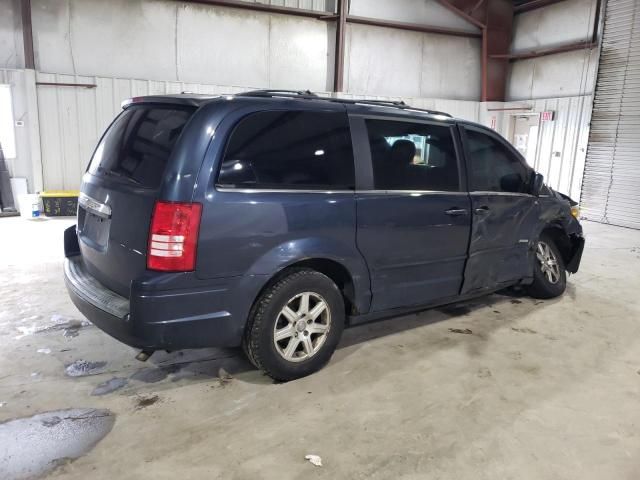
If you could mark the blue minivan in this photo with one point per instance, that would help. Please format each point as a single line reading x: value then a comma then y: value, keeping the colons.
x: 271, y: 220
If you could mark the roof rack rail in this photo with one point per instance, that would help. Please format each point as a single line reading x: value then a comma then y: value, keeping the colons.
x: 388, y: 103
x: 277, y: 93
x: 308, y: 95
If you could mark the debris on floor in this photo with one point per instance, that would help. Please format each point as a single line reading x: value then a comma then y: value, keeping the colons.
x: 224, y: 377
x: 116, y: 383
x: 465, y: 331
x: 46, y: 351
x: 523, y: 330
x: 314, y: 459
x: 35, y: 445
x: 82, y: 368
x: 145, y: 401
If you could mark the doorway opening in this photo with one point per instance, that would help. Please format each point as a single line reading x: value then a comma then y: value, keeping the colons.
x: 524, y: 135
x: 7, y: 132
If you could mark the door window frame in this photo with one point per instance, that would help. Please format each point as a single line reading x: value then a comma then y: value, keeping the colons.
x: 365, y: 181
x: 462, y: 128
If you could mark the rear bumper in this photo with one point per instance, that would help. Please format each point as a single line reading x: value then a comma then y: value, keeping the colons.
x: 158, y: 319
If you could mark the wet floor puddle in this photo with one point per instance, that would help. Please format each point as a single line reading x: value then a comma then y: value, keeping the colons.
x: 32, y: 446
x: 69, y: 327
x: 83, y: 368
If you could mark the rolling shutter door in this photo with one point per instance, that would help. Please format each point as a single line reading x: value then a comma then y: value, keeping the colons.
x: 611, y: 183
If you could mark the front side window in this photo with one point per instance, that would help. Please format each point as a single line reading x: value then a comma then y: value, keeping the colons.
x: 412, y: 156
x: 493, y: 167
x: 289, y: 150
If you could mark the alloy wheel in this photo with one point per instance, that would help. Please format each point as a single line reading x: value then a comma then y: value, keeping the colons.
x: 548, y: 262
x: 302, y: 327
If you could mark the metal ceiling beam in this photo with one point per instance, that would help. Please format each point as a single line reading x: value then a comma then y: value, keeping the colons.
x: 27, y: 35
x: 533, y: 4
x: 547, y: 51
x: 414, y: 27
x: 465, y: 9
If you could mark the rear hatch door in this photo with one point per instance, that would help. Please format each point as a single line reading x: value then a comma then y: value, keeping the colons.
x: 120, y: 188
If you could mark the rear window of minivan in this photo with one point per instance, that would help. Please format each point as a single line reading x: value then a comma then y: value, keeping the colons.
x: 137, y: 145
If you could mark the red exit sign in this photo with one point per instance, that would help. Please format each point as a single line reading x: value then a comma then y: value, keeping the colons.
x: 547, y: 116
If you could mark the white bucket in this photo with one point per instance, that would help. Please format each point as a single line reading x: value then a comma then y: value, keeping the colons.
x: 29, y: 205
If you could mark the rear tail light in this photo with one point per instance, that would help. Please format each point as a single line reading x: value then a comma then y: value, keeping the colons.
x: 173, y: 238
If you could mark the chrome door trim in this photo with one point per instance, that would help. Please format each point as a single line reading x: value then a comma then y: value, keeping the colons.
x: 279, y: 190
x: 502, y: 194
x: 413, y: 192
x: 372, y: 191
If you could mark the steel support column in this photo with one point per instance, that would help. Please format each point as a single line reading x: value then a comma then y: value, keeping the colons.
x: 495, y: 18
x: 496, y: 40
x: 341, y: 28
x: 27, y: 34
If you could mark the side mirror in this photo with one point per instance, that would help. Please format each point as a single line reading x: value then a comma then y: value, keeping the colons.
x: 537, y: 184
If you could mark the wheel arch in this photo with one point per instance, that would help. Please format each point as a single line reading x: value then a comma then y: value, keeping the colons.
x: 560, y: 237
x: 334, y: 270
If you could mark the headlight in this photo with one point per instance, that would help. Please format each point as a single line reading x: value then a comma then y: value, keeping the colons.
x: 575, y: 211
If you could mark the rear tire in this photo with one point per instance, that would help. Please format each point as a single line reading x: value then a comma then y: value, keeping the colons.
x: 549, y: 274
x: 295, y: 325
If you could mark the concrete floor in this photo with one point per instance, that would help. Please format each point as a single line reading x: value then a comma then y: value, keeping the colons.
x: 538, y: 390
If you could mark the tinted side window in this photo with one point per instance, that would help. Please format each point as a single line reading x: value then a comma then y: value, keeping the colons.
x: 138, y: 144
x: 493, y: 167
x: 412, y: 156
x: 285, y: 149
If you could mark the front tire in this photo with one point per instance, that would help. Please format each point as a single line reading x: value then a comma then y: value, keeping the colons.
x: 549, y: 274
x: 295, y: 325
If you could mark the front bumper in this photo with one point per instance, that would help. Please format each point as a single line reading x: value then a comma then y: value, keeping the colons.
x: 154, y: 320
x: 577, y: 247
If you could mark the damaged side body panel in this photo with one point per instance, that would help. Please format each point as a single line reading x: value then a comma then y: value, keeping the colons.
x: 501, y: 240
x: 502, y: 243
x: 508, y: 219
x: 555, y: 217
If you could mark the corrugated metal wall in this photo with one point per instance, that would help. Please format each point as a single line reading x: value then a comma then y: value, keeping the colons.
x: 318, y: 5
x: 562, y: 142
x: 72, y: 118
x: 611, y: 186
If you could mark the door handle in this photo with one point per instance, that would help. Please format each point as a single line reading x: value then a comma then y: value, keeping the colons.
x: 456, y: 211
x: 483, y: 210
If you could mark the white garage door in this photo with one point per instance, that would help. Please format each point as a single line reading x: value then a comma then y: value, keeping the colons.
x: 611, y: 184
